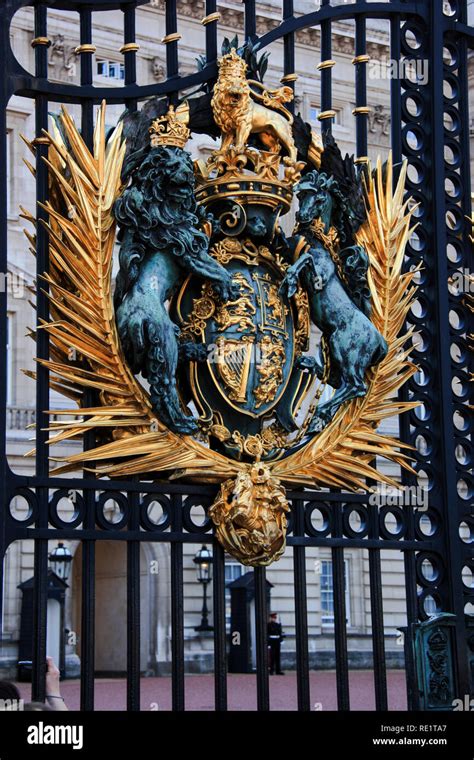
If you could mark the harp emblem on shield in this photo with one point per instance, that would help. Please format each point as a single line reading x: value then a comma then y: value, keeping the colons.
x: 233, y: 359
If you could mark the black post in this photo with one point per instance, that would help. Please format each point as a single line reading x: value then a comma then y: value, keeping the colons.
x: 448, y: 483
x: 261, y: 613
x: 177, y: 609
x: 86, y: 51
x: 220, y: 634
x: 289, y: 74
x: 361, y: 110
x: 133, y: 609
x: 250, y: 19
x: 325, y: 66
x: 171, y: 39
x: 41, y: 44
x: 340, y: 616
x: 204, y: 626
x: 210, y: 21
x: 4, y: 31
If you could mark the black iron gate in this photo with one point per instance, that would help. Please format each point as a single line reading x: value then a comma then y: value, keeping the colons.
x: 430, y: 127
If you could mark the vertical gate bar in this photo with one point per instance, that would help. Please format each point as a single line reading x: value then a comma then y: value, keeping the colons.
x: 412, y: 611
x: 378, y: 644
x: 340, y: 617
x: 171, y: 28
x: 85, y: 24
x: 88, y: 611
x: 88, y: 546
x: 133, y: 609
x: 85, y: 32
x: 220, y: 635
x: 463, y: 76
x: 326, y: 74
x: 301, y: 610
x: 177, y: 608
x: 360, y: 62
x: 376, y: 609
x: 403, y: 420
x: 261, y: 614
x: 395, y: 91
x: 129, y: 55
x: 211, y: 32
x: 42, y: 380
x: 40, y: 601
x: 340, y: 629
x: 289, y: 74
x: 454, y: 560
x: 250, y: 19
x: 129, y: 51
x: 468, y: 212
x: 4, y: 31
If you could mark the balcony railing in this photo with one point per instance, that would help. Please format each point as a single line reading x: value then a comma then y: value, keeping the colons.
x: 19, y: 417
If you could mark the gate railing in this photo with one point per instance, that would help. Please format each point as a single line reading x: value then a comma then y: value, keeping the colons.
x: 429, y: 127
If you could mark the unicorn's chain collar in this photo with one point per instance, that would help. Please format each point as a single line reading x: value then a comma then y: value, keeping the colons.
x: 330, y: 239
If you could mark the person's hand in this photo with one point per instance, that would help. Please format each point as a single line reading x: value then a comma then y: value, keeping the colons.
x: 52, y: 678
x: 53, y: 693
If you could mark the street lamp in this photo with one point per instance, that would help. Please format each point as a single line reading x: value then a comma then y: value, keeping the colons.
x: 60, y: 560
x: 203, y: 562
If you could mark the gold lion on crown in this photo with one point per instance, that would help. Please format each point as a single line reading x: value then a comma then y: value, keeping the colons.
x: 238, y: 115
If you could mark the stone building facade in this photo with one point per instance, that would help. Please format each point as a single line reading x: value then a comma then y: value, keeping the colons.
x: 63, y: 31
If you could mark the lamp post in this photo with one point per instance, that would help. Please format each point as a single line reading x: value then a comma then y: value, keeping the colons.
x: 203, y: 562
x: 60, y: 560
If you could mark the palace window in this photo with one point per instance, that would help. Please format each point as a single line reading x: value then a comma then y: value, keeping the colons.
x: 233, y: 570
x: 9, y: 358
x: 110, y: 69
x: 327, y: 593
x: 314, y: 111
x: 9, y: 169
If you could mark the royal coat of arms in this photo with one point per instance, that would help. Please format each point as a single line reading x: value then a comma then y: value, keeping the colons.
x: 228, y: 351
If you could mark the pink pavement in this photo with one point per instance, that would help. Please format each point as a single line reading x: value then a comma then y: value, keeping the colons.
x: 110, y: 693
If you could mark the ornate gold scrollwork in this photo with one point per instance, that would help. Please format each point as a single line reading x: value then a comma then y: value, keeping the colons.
x: 250, y: 516
x: 225, y: 250
x: 274, y: 308
x: 239, y: 312
x: 303, y: 324
x: 270, y: 369
x: 203, y: 309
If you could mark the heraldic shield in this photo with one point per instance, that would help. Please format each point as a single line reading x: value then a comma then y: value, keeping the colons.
x: 248, y: 342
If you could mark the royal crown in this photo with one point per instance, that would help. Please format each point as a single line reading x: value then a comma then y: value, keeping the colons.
x: 231, y: 63
x: 249, y: 177
x: 171, y: 129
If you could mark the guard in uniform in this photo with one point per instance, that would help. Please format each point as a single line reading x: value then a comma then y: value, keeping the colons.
x: 275, y: 637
